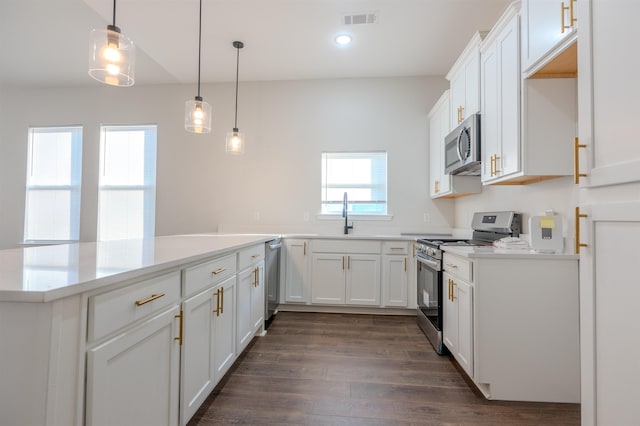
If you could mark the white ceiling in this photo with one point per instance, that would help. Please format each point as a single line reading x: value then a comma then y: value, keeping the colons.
x: 45, y: 42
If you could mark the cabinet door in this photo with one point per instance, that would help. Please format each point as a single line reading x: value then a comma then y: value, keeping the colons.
x: 328, y: 278
x: 225, y: 326
x: 464, y: 353
x: 457, y: 99
x: 133, y: 378
x: 489, y: 119
x: 509, y: 101
x: 197, y: 359
x: 244, y: 326
x: 609, y: 294
x: 257, y: 298
x: 472, y: 85
x: 296, y: 271
x: 449, y: 314
x: 435, y: 150
x: 363, y: 279
x: 395, y: 280
x: 542, y: 28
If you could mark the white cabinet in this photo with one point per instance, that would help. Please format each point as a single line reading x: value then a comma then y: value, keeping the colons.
x: 609, y: 93
x: 208, y: 348
x: 457, y: 330
x: 296, y: 267
x: 441, y: 184
x: 133, y: 378
x: 548, y: 26
x: 345, y: 272
x: 250, y: 295
x: 465, y: 83
x: 528, y: 126
x: 396, y: 267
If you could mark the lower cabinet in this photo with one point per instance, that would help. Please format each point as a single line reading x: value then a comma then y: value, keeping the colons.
x: 250, y: 315
x: 458, y: 320
x: 396, y: 267
x: 352, y: 279
x: 209, y: 344
x: 133, y: 377
x: 296, y: 268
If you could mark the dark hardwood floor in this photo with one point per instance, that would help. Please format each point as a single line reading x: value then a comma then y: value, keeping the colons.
x: 337, y: 369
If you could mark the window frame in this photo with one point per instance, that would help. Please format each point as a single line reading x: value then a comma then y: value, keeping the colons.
x: 382, y: 186
x: 149, y: 185
x: 74, y: 187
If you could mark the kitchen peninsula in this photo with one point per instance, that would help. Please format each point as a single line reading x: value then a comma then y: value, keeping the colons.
x: 114, y: 311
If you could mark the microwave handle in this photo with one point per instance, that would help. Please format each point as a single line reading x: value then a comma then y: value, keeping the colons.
x: 458, y: 144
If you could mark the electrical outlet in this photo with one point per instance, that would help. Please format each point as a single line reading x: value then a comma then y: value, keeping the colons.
x: 427, y: 217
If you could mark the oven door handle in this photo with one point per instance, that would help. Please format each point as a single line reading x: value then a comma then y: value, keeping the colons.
x: 433, y: 264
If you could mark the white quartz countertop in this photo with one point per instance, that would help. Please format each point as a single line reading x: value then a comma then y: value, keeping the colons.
x: 46, y: 273
x: 495, y: 253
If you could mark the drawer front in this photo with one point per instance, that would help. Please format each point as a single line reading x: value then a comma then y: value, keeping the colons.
x: 345, y: 246
x: 206, y: 274
x: 113, y: 310
x: 250, y: 256
x: 395, y: 247
x: 462, y: 268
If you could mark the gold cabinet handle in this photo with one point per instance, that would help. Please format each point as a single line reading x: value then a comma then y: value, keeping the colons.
x: 405, y: 264
x: 576, y: 161
x: 453, y: 291
x: 343, y: 263
x: 577, y: 219
x: 461, y: 113
x: 217, y: 310
x: 221, y: 299
x: 452, y: 265
x: 304, y: 249
x: 217, y: 271
x: 449, y: 289
x: 149, y: 299
x: 257, y: 277
x: 348, y: 262
x: 436, y: 186
x: 253, y: 256
x: 179, y: 338
x: 495, y: 165
x: 563, y: 8
x: 492, y: 165
x: 414, y: 249
x: 396, y: 248
x: 572, y: 18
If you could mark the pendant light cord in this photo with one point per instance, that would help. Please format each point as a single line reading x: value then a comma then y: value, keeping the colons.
x: 199, y: 46
x: 237, y: 70
x: 114, y: 13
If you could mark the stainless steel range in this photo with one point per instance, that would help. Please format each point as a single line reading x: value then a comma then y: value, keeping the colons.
x: 487, y: 227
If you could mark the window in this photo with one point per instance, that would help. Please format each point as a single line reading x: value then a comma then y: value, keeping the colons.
x: 362, y: 175
x: 54, y: 170
x: 127, y: 186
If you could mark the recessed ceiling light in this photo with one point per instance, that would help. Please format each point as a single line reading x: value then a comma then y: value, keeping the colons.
x: 343, y: 39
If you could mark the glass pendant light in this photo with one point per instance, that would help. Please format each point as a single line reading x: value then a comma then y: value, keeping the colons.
x: 236, y: 139
x: 197, y: 113
x: 112, y: 55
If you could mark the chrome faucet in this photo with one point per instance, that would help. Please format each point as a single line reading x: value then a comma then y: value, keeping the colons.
x: 345, y: 207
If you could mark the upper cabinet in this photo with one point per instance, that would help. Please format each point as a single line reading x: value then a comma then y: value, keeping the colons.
x: 441, y: 184
x: 549, y: 35
x: 464, y: 77
x: 528, y: 125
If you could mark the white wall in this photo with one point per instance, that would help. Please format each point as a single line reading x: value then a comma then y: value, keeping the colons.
x: 271, y: 187
x: 558, y: 194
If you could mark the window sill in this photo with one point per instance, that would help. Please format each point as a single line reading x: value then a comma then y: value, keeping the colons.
x: 359, y: 217
x: 37, y: 243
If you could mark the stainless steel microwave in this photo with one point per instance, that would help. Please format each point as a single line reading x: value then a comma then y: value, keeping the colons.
x: 462, y: 148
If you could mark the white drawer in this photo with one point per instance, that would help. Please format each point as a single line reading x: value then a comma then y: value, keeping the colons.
x: 250, y: 255
x: 345, y: 246
x: 395, y: 247
x: 209, y: 273
x: 458, y: 266
x: 115, y: 309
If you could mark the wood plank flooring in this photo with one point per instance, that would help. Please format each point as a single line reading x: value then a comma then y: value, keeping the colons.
x: 337, y: 369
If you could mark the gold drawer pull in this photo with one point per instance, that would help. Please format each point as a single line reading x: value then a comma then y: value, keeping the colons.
x: 217, y: 271
x: 452, y: 265
x: 578, y: 216
x: 576, y: 161
x: 396, y: 248
x: 453, y: 291
x: 255, y: 255
x: 150, y: 299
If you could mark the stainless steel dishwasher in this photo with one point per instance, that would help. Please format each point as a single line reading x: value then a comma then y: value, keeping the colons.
x: 272, y: 278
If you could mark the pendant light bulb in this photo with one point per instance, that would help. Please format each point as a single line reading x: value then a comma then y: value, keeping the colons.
x: 235, y: 139
x: 112, y: 56
x: 197, y: 113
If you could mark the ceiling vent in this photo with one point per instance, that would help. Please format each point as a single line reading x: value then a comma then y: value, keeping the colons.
x: 360, y: 18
